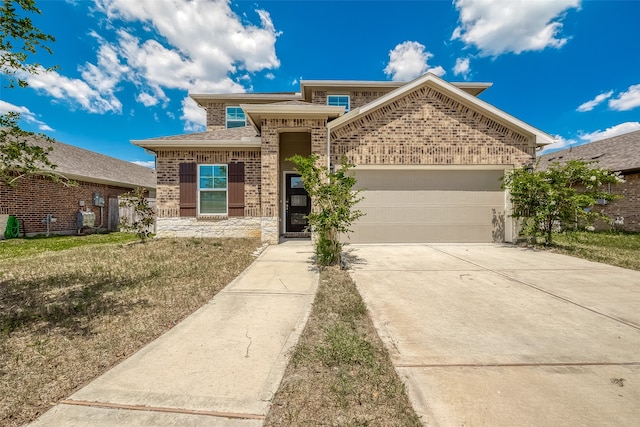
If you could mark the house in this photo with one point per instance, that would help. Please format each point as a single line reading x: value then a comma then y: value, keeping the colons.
x: 620, y: 154
x: 100, y: 181
x: 429, y: 156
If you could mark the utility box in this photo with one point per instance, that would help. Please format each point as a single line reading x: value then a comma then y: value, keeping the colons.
x: 97, y: 200
x: 86, y: 219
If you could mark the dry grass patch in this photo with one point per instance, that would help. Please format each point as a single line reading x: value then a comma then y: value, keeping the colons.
x: 340, y: 373
x: 69, y: 315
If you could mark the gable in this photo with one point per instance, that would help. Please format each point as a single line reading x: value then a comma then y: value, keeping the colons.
x: 426, y: 126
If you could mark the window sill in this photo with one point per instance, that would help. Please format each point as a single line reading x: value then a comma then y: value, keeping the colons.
x: 212, y: 217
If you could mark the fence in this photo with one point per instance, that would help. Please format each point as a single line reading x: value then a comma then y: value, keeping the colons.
x: 118, y: 214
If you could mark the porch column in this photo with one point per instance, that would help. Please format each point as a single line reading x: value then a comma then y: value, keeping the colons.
x: 269, y: 183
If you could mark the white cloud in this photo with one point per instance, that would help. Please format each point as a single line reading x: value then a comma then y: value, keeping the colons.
x: 590, y: 105
x: 560, y: 143
x: 151, y: 164
x: 408, y: 60
x: 195, y: 118
x: 74, y: 91
x: 616, y: 130
x: 25, y: 114
x: 626, y: 100
x: 147, y: 100
x: 499, y: 26
x: 462, y: 67
x: 269, y: 76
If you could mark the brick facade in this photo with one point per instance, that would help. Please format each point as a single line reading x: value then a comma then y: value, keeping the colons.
x: 427, y: 128
x: 216, y: 116
x: 628, y: 207
x: 167, y: 169
x: 35, y: 197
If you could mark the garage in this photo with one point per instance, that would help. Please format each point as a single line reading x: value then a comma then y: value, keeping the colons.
x: 430, y: 206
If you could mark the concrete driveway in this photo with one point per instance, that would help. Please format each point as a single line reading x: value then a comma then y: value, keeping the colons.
x: 491, y: 335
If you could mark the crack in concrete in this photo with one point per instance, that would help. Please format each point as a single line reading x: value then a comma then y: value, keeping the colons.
x: 250, y: 342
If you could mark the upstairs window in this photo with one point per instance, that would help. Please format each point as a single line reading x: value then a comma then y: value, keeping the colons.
x: 235, y: 117
x: 339, y: 101
x: 212, y: 189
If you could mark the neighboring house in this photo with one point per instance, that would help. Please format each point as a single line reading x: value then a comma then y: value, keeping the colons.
x: 620, y: 154
x: 429, y: 156
x: 100, y: 180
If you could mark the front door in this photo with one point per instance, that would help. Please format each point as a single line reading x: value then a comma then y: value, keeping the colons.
x: 297, y: 204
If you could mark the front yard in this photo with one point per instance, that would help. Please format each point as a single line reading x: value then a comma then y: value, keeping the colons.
x: 621, y: 249
x: 72, y: 307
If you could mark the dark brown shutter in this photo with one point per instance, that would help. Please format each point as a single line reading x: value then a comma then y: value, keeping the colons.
x: 236, y: 189
x: 188, y: 189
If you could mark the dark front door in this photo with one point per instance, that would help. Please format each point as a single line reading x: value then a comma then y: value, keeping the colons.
x: 298, y: 204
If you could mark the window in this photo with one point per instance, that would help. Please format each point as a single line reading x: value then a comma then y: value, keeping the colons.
x: 339, y: 101
x: 212, y: 189
x: 235, y: 117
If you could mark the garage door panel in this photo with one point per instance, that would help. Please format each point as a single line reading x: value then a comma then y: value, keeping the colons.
x: 416, y: 206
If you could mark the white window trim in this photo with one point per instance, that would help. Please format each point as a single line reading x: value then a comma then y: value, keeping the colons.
x: 199, y: 190
x: 226, y: 114
x: 348, y: 108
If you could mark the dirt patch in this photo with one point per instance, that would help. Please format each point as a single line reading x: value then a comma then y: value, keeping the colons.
x: 68, y: 316
x: 340, y: 372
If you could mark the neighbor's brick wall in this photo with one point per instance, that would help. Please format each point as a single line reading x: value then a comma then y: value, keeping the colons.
x: 628, y: 207
x: 428, y: 128
x: 216, y: 116
x: 168, y: 175
x: 35, y: 197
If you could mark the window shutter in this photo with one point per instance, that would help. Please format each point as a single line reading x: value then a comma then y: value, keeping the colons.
x: 188, y: 189
x: 236, y: 189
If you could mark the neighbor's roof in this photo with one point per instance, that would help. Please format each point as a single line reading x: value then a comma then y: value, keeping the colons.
x: 618, y: 153
x: 239, y: 137
x: 454, y: 92
x: 83, y: 165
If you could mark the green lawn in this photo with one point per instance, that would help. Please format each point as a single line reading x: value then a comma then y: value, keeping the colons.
x: 615, y: 248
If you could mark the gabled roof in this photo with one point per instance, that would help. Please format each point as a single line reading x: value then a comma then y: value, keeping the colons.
x: 245, y: 136
x: 618, y: 153
x: 435, y: 82
x: 84, y: 165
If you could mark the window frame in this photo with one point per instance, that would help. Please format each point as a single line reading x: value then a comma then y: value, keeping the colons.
x: 200, y: 190
x: 347, y: 107
x: 226, y: 117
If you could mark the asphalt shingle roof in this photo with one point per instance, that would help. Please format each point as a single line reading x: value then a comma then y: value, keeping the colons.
x: 618, y: 153
x: 90, y: 166
x: 232, y: 134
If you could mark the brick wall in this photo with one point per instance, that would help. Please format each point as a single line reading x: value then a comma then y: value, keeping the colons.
x: 168, y: 167
x: 35, y: 197
x: 628, y: 207
x: 357, y: 98
x: 216, y: 116
x: 426, y: 127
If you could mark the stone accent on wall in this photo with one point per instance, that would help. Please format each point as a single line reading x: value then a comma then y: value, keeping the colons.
x: 168, y: 173
x: 193, y: 227
x: 270, y: 227
x: 626, y: 209
x: 426, y: 127
x: 216, y: 116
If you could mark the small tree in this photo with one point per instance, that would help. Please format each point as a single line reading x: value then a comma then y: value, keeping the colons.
x: 333, y: 200
x: 563, y: 194
x: 143, y: 214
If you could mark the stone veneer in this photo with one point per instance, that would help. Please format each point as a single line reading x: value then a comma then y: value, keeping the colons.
x: 195, y: 227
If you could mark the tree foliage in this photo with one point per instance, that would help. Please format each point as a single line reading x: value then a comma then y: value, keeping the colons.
x: 562, y: 195
x: 333, y: 200
x: 144, y: 215
x: 19, y: 40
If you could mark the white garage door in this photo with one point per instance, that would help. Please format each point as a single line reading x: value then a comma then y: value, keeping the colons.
x: 424, y: 206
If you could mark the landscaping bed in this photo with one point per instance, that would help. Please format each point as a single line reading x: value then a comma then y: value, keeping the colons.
x: 72, y: 307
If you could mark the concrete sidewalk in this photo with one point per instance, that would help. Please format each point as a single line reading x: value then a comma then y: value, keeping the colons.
x: 218, y: 367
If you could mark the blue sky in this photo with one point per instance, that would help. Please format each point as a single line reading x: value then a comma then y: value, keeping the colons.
x: 569, y: 67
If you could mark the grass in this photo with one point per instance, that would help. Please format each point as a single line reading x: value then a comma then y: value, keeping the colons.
x: 340, y: 373
x: 72, y: 307
x: 615, y: 248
